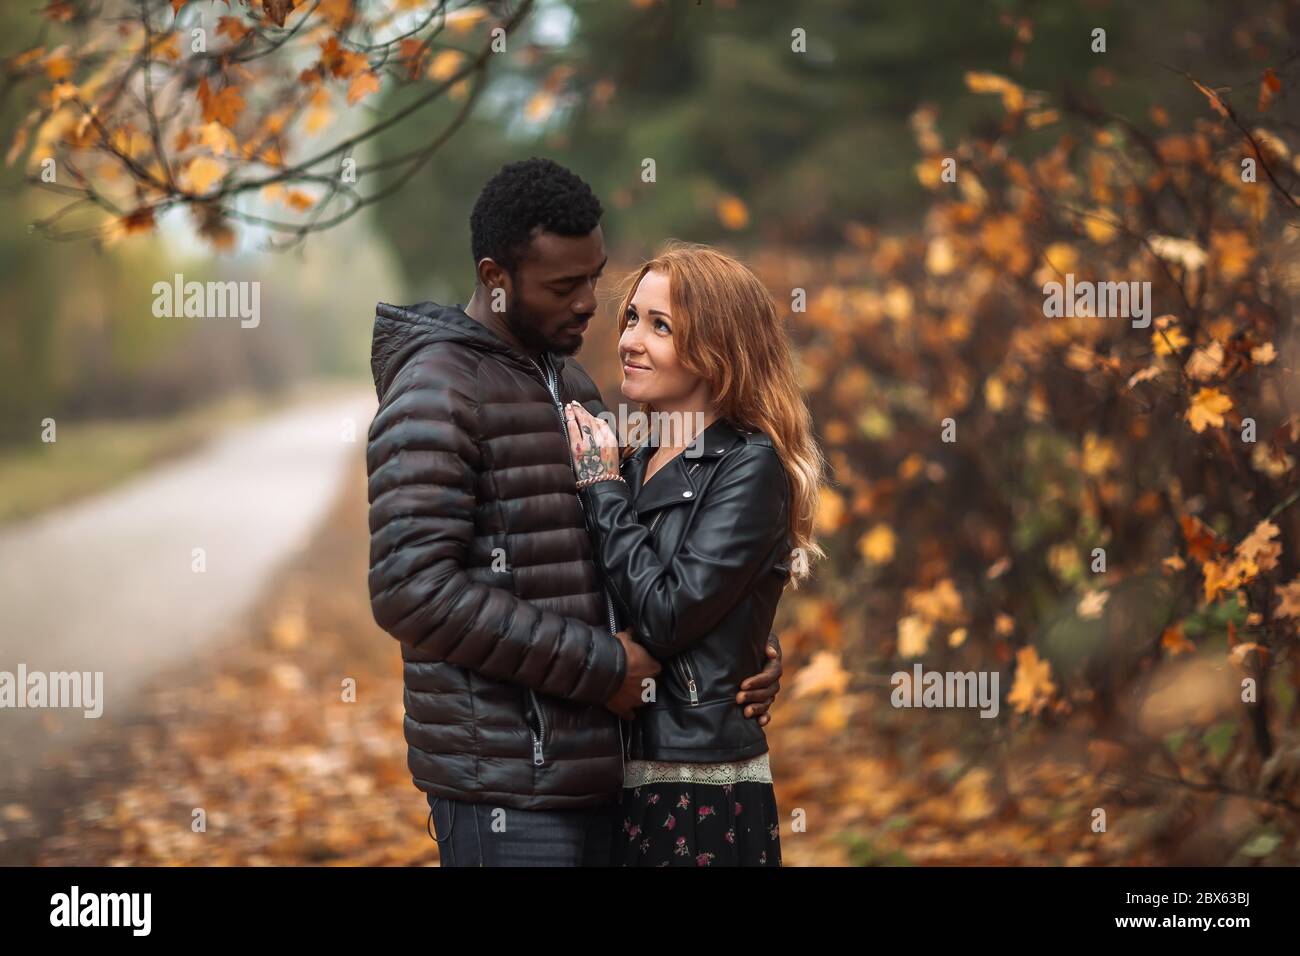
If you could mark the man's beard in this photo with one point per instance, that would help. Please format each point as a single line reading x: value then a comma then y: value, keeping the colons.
x: 524, y: 326
x: 568, y: 349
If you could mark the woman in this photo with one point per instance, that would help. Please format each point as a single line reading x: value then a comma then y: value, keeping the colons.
x: 696, y: 533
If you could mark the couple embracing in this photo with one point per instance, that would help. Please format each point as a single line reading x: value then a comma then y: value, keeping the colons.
x: 585, y: 626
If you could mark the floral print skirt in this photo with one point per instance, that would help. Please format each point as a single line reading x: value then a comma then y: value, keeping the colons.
x: 697, y: 824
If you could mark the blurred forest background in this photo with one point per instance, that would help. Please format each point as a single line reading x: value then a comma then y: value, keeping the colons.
x: 1104, y: 515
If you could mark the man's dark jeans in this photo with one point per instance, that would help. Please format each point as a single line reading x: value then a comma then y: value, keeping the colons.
x: 480, y: 834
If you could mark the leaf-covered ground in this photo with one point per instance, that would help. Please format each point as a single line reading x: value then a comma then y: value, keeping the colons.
x: 257, y: 735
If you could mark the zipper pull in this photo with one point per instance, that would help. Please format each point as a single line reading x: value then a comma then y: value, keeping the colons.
x: 537, y: 753
x: 690, y: 685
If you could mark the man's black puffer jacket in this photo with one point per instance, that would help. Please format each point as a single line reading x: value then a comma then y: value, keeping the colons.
x: 698, y: 558
x: 481, y: 566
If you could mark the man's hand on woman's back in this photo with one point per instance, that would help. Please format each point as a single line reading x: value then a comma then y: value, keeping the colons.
x: 758, y: 692
x: 640, y: 665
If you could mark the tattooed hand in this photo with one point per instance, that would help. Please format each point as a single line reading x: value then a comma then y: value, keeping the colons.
x: 595, y: 449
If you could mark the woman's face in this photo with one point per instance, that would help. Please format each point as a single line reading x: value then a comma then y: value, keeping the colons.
x: 652, y: 372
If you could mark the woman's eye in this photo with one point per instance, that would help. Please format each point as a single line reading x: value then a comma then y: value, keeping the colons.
x: 661, y: 324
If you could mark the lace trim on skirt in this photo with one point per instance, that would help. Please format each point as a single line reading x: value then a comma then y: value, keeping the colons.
x: 638, y: 773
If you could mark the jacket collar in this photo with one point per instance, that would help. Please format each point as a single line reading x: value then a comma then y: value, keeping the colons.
x: 401, y: 331
x: 519, y: 358
x: 677, y: 482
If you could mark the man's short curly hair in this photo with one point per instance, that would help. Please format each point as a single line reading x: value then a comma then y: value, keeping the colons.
x: 521, y: 196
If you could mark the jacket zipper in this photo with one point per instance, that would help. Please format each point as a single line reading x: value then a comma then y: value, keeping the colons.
x: 548, y: 376
x: 538, y: 759
x: 687, y: 675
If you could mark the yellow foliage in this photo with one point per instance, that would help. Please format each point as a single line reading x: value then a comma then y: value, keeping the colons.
x: 1033, y: 688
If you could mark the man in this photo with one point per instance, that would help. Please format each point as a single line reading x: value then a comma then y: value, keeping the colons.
x: 480, y: 559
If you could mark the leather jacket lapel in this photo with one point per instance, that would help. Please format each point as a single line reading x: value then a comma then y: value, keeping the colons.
x: 671, y: 485
x: 678, y: 482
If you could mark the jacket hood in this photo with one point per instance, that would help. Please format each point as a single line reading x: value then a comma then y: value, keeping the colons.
x: 402, y: 330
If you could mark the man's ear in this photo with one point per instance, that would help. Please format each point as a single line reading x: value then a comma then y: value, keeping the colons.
x: 492, y: 276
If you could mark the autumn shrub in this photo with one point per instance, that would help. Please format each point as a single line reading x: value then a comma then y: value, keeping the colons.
x: 1072, y: 499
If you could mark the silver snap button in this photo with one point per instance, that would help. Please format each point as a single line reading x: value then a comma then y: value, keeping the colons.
x: 687, y: 494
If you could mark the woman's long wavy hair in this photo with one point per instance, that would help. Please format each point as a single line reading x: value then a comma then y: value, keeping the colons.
x: 728, y: 330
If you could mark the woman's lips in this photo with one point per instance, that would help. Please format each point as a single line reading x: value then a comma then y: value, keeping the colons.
x: 629, y: 369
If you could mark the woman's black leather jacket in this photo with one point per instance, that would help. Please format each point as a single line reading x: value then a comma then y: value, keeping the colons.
x: 697, y: 558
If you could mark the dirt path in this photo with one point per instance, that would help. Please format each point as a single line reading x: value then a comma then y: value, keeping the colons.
x: 112, y: 583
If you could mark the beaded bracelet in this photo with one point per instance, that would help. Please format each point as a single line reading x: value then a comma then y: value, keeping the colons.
x: 587, y: 482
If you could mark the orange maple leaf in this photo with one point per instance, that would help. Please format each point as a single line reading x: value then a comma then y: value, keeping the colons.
x: 1288, y: 600
x: 141, y: 220
x: 733, y: 213
x: 362, y: 86
x: 299, y: 200
x: 1175, y: 641
x: 1216, y: 103
x: 1013, y: 96
x: 341, y: 62
x: 60, y: 11
x: 1207, y: 409
x: 58, y: 65
x: 276, y: 10
x: 413, y: 53
x: 1032, y: 689
x: 1256, y: 546
x: 1268, y: 87
x: 223, y: 107
x: 203, y: 171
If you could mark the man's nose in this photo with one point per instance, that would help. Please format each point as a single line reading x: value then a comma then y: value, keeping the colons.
x: 585, y: 303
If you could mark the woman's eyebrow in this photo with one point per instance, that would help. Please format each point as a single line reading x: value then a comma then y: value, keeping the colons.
x: 632, y: 308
